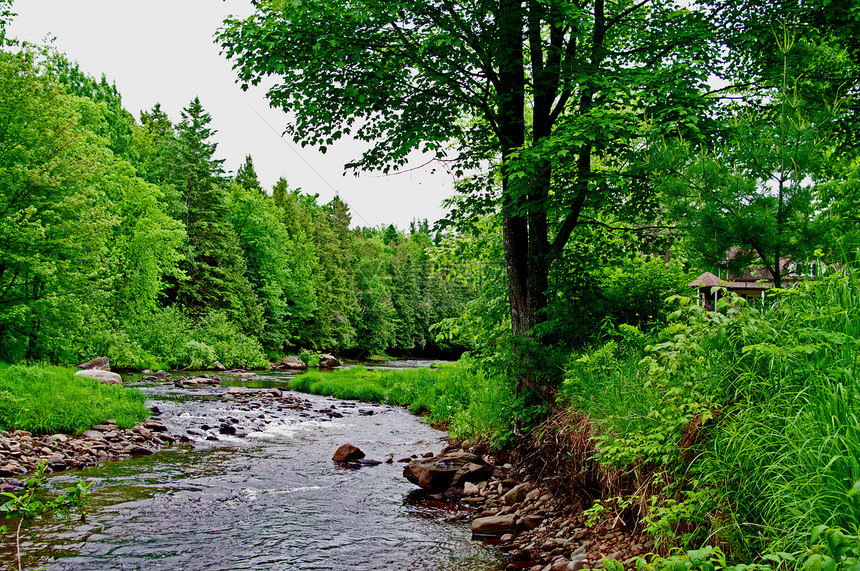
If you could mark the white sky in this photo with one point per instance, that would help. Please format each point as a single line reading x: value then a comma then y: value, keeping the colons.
x: 163, y: 51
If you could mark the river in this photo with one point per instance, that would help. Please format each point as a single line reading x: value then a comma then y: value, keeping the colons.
x: 269, y: 498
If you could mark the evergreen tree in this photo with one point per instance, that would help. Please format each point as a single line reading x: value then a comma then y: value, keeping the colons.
x: 246, y: 176
x: 214, y: 266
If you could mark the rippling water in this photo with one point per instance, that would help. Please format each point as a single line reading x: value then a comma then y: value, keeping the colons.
x: 271, y: 500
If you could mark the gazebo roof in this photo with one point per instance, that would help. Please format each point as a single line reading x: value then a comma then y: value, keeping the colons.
x: 706, y: 280
x: 710, y: 280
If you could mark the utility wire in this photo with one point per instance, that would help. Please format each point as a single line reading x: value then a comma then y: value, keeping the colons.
x: 309, y: 165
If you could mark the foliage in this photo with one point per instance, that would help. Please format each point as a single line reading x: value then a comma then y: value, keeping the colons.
x: 45, y: 400
x: 214, y: 266
x: 549, y: 96
x: 737, y: 425
x: 216, y: 337
x: 828, y: 549
x: 751, y: 198
x: 26, y: 507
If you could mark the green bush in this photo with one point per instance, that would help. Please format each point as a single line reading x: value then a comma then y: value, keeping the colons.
x: 45, y: 400
x: 227, y: 343
x: 162, y: 334
x: 743, y: 423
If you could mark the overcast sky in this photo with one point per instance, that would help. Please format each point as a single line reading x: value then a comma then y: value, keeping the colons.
x: 163, y: 51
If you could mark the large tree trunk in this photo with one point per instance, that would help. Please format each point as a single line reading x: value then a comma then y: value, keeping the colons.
x: 511, y: 125
x: 524, y: 221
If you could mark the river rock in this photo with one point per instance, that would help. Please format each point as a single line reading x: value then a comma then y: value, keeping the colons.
x: 471, y: 489
x: 101, y: 375
x: 99, y: 363
x: 472, y: 472
x: 494, y: 525
x: 347, y: 452
x: 329, y: 362
x: 154, y: 426
x: 11, y: 469
x: 438, y: 473
x: 517, y: 494
x: 291, y: 364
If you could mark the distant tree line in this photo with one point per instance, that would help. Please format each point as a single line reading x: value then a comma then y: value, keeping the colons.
x: 127, y: 238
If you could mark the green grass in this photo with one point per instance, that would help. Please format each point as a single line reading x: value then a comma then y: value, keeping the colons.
x: 452, y: 395
x: 46, y: 400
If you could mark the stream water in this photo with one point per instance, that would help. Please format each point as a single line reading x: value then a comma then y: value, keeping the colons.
x: 268, y: 498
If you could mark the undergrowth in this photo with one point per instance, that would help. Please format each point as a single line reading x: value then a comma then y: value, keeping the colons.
x: 737, y: 428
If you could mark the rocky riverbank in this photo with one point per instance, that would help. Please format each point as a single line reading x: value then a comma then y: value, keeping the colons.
x: 509, y: 507
x: 539, y: 531
x: 21, y: 452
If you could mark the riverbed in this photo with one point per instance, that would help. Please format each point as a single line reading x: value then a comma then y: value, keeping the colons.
x: 267, y: 497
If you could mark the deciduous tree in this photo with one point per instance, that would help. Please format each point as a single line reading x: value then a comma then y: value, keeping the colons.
x: 534, y: 87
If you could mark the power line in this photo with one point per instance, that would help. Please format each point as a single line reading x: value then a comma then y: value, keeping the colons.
x: 309, y: 165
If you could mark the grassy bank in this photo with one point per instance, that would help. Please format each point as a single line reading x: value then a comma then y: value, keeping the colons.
x: 45, y: 400
x: 738, y: 428
x: 454, y: 395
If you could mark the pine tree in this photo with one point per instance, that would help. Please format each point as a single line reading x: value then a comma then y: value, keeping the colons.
x: 246, y: 176
x: 215, y: 268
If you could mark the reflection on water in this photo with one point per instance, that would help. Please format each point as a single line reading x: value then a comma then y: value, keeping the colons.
x: 273, y: 500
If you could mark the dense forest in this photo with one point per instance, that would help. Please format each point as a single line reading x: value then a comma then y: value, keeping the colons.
x: 126, y: 238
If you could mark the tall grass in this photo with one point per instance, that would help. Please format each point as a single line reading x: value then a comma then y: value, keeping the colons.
x: 790, y: 448
x: 45, y: 400
x: 756, y: 410
x: 454, y: 395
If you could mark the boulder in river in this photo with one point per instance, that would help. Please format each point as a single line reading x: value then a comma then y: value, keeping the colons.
x: 347, y: 453
x: 101, y: 375
x: 99, y: 363
x: 290, y: 364
x: 329, y: 362
x: 441, y: 472
x: 494, y: 525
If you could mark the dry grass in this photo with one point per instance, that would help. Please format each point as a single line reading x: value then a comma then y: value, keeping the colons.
x: 561, y: 453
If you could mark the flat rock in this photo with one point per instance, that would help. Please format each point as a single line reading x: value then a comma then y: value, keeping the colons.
x: 102, y: 376
x: 154, y: 426
x: 517, y: 494
x: 291, y: 363
x: 494, y: 525
x: 136, y: 450
x: 438, y: 473
x: 472, y: 472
